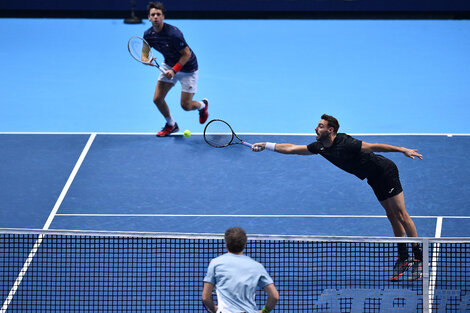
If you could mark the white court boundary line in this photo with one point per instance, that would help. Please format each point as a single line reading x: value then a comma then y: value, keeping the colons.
x: 53, y: 213
x: 238, y: 133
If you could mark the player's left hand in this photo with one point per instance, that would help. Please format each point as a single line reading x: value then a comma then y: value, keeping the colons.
x: 411, y: 153
x: 150, y: 62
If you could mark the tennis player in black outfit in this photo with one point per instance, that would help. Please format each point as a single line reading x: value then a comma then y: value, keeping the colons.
x: 358, y: 158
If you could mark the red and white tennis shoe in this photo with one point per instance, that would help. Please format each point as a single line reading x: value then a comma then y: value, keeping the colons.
x: 167, y: 130
x: 204, y: 113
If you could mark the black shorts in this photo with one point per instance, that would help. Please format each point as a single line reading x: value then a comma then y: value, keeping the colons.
x: 386, y: 181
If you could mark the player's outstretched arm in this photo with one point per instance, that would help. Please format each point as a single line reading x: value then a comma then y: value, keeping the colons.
x: 381, y: 147
x: 284, y: 148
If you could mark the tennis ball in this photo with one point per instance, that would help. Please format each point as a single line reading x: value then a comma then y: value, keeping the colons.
x: 187, y: 133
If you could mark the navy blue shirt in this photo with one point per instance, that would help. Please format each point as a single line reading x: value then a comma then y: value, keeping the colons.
x: 345, y: 153
x: 169, y: 42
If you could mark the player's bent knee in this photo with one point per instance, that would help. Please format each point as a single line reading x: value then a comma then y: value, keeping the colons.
x: 187, y: 106
x: 401, y: 216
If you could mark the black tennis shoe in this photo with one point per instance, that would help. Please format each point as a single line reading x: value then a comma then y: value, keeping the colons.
x: 416, y: 270
x: 167, y: 130
x: 400, y: 267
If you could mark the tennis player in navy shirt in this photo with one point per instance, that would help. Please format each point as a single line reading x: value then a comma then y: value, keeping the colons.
x: 180, y: 65
x: 358, y: 158
x: 235, y: 277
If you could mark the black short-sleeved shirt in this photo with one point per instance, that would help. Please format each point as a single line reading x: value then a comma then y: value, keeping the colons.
x: 345, y: 153
x: 169, y: 42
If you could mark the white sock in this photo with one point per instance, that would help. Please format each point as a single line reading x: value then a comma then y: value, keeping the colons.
x: 203, y: 105
x: 170, y: 121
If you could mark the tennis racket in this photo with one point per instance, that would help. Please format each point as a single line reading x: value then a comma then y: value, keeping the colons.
x: 141, y: 51
x: 219, y: 134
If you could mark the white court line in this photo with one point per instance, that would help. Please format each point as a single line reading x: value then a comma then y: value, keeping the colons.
x: 434, y: 258
x: 248, y: 215
x: 239, y: 133
x: 209, y: 215
x: 439, y: 227
x: 53, y: 213
x: 69, y: 182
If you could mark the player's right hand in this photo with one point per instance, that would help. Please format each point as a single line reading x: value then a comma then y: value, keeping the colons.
x: 258, y: 147
x: 412, y: 153
x: 169, y: 74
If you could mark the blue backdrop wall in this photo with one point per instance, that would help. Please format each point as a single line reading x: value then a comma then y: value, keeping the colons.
x: 243, y: 8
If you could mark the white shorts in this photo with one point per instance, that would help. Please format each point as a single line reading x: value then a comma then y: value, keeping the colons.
x: 188, y: 81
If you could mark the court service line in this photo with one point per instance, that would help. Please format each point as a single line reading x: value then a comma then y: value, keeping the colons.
x: 246, y: 215
x: 53, y: 213
x: 206, y: 215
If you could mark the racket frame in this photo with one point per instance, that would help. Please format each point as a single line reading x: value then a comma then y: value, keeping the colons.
x: 234, y: 135
x: 144, y: 42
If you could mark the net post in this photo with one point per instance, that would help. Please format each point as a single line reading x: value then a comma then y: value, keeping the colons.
x: 426, y: 285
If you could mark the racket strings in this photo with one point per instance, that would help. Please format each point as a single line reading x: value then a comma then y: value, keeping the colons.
x: 140, y: 50
x: 218, y: 134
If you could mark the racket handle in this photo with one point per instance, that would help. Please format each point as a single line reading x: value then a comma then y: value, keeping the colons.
x: 246, y: 144
x: 158, y: 66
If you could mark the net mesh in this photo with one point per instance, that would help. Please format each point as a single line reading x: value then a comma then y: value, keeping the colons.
x: 67, y: 272
x: 218, y: 133
x: 450, y: 277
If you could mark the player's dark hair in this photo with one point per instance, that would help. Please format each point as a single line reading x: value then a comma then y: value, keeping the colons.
x: 156, y: 5
x: 332, y: 122
x: 235, y: 239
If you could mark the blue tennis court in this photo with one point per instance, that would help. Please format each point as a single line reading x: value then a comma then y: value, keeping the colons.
x: 79, y: 150
x: 140, y: 182
x: 377, y: 77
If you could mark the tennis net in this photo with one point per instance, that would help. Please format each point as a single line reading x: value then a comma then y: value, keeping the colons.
x: 76, y: 271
